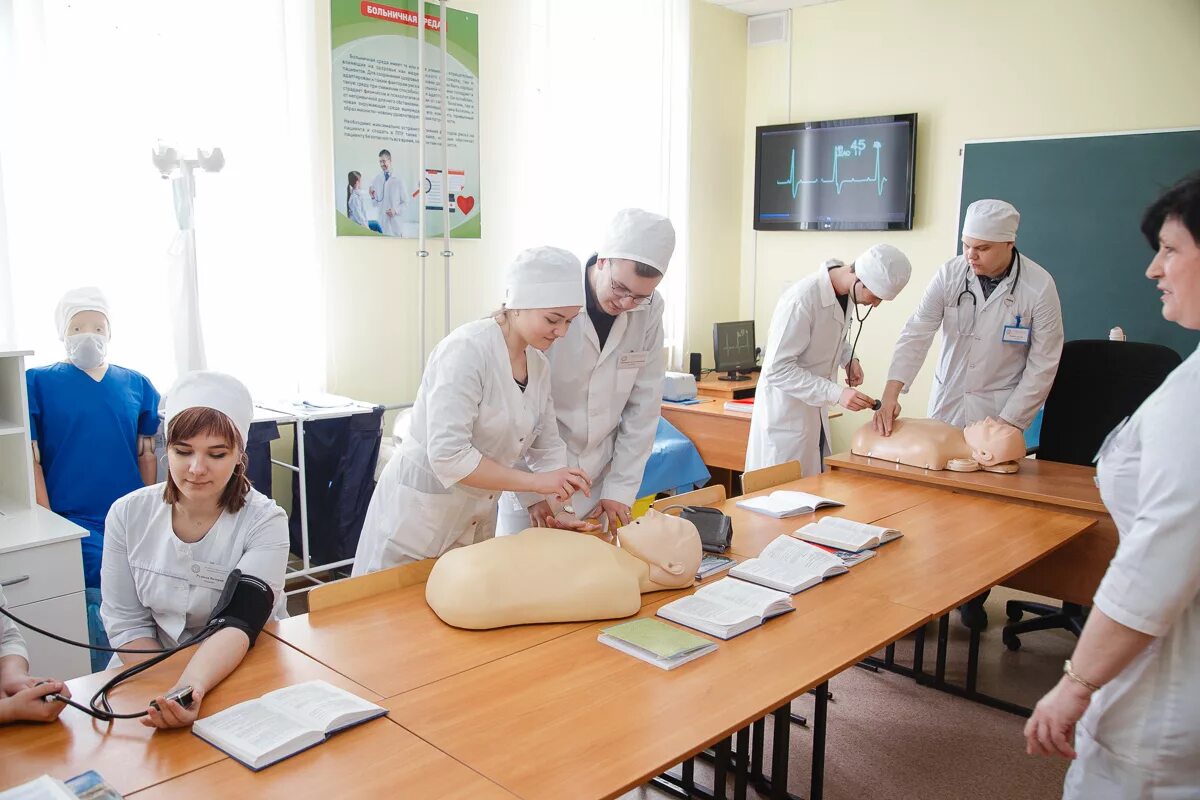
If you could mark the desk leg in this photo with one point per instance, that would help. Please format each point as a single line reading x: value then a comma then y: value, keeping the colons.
x: 689, y: 776
x: 780, y: 750
x: 820, y: 715
x: 973, y: 661
x: 757, y: 742
x: 889, y: 654
x: 741, y: 763
x: 943, y: 646
x: 720, y: 762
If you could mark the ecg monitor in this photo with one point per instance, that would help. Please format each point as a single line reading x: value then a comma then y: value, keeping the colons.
x: 733, y: 349
x: 836, y: 175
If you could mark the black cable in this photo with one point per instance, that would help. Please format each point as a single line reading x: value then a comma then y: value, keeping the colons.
x: 58, y: 638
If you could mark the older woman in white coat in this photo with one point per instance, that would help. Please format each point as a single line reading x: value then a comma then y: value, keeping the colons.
x: 807, y: 344
x: 483, y: 407
x: 1127, y: 708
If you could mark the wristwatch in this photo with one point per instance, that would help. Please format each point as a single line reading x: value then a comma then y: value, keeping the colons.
x: 1070, y: 673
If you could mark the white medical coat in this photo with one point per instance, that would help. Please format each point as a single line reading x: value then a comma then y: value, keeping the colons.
x: 144, y: 574
x: 806, y: 345
x: 11, y: 641
x: 468, y: 408
x: 607, y: 404
x: 395, y: 198
x: 1140, y: 737
x: 978, y: 375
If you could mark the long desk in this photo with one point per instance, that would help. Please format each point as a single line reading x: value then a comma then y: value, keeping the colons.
x: 1070, y: 574
x: 720, y: 435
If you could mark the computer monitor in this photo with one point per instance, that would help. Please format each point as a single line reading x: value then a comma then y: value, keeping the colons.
x: 733, y: 349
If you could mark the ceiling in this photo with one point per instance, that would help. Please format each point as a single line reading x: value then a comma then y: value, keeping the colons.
x: 752, y: 7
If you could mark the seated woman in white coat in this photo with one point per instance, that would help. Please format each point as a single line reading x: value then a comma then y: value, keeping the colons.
x: 1127, y: 708
x: 807, y: 344
x: 169, y: 548
x: 483, y: 407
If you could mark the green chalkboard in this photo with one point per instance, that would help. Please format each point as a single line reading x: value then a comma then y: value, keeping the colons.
x: 1081, y: 200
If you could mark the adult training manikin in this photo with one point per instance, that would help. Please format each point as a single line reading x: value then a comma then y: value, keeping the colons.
x: 550, y: 575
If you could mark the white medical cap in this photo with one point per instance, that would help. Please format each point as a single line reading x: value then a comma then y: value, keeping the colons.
x: 884, y: 270
x: 85, y: 298
x: 991, y: 221
x: 215, y: 390
x: 639, y: 236
x: 544, y: 277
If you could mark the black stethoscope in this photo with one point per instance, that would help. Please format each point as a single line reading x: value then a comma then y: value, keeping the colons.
x: 966, y: 292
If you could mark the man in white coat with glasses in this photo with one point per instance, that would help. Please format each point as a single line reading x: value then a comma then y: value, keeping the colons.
x: 607, y: 376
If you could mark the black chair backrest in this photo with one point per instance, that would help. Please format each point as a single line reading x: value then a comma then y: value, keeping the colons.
x: 1099, y: 383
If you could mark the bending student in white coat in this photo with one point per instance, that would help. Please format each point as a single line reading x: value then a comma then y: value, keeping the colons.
x: 1129, y: 699
x: 1002, y: 332
x: 607, y: 375
x: 483, y: 406
x: 169, y: 548
x: 806, y: 346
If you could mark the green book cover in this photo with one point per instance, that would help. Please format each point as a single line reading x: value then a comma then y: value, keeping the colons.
x: 659, y: 638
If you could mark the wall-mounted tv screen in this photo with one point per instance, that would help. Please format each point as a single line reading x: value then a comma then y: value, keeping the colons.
x: 836, y: 175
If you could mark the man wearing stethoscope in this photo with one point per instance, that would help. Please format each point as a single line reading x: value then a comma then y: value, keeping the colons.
x: 1002, y: 335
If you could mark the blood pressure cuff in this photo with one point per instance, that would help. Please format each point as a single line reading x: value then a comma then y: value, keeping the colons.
x: 714, y: 527
x: 246, y: 603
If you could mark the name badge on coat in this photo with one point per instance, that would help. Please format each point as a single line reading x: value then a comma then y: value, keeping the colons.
x: 207, y: 576
x: 1015, y: 334
x: 632, y: 360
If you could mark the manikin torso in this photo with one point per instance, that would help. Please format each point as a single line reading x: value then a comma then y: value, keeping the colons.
x: 926, y: 443
x: 550, y: 575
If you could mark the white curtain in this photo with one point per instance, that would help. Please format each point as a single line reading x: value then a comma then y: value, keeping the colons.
x: 87, y: 89
x: 605, y: 127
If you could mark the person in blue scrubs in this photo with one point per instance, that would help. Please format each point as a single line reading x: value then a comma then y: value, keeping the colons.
x: 92, y: 425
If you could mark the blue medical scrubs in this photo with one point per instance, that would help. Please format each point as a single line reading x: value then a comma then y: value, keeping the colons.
x: 87, y: 432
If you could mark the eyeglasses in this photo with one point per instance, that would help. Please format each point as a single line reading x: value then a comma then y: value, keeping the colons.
x: 622, y: 293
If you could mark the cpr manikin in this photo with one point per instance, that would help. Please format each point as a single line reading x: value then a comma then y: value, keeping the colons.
x: 995, y: 446
x: 925, y: 443
x: 548, y: 575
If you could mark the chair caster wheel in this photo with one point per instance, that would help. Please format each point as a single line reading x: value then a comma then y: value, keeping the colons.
x: 1015, y: 616
x: 1011, y: 641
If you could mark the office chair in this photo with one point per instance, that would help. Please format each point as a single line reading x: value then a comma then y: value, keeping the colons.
x: 1099, y: 383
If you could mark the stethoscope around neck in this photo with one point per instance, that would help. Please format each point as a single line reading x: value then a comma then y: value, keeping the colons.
x: 966, y: 325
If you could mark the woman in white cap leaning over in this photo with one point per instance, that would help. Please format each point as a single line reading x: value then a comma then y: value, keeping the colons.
x: 807, y: 343
x: 169, y: 548
x: 607, y: 376
x: 483, y: 407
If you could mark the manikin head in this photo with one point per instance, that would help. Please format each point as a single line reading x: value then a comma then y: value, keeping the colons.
x: 994, y: 442
x: 668, y: 544
x: 543, y: 294
x: 631, y: 261
x: 81, y: 319
x: 208, y: 420
x: 989, y: 235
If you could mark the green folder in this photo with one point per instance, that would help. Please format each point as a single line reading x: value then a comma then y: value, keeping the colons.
x: 659, y: 638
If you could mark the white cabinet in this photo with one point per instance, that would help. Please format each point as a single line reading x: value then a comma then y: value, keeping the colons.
x: 41, y: 567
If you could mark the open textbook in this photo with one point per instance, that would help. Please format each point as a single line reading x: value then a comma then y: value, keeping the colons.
x: 846, y: 534
x: 786, y: 504
x: 284, y: 722
x: 789, y: 565
x: 727, y: 607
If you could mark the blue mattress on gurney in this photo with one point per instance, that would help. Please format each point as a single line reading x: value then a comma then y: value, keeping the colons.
x: 674, y: 463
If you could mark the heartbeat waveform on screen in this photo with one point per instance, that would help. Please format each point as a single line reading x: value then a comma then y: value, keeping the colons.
x: 839, y: 152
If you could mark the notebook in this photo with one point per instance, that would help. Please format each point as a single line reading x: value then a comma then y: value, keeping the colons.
x: 786, y: 504
x: 43, y: 788
x: 711, y: 564
x: 846, y: 534
x: 727, y: 608
x: 789, y: 565
x: 284, y: 722
x: 657, y: 643
x: 745, y: 406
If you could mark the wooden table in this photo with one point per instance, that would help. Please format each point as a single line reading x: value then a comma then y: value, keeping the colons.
x: 393, y: 642
x: 710, y: 385
x: 131, y: 756
x: 720, y: 435
x: 378, y: 759
x: 573, y: 718
x: 1070, y: 574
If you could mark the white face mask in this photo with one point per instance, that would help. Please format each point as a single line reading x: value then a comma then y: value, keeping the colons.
x: 87, y: 350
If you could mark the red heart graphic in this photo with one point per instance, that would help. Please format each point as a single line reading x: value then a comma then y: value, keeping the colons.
x: 465, y: 204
